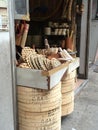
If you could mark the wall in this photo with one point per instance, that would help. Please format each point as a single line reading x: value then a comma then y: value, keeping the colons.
x: 83, y: 40
x: 93, y: 40
x: 7, y: 75
x: 6, y: 97
x: 93, y: 33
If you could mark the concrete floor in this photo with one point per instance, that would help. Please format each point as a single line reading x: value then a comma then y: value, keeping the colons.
x: 85, y: 115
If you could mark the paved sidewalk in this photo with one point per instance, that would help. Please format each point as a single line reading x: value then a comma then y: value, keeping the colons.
x: 85, y: 115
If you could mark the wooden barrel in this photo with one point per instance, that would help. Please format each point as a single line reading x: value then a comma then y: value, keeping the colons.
x: 67, y: 89
x: 39, y: 109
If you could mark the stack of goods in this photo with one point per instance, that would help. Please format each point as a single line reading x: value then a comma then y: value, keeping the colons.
x: 39, y: 109
x: 68, y: 84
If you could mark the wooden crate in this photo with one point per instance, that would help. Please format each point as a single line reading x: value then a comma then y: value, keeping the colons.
x: 44, y: 79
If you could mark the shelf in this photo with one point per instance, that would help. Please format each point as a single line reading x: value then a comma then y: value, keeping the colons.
x: 59, y: 36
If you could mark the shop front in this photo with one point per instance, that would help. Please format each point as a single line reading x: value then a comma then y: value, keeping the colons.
x: 59, y: 30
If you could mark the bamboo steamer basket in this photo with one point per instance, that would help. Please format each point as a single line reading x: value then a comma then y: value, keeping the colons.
x: 67, y: 89
x: 39, y: 109
x: 49, y: 119
x: 68, y: 86
x: 67, y: 97
x: 67, y: 108
x: 36, y: 100
x: 49, y: 127
x: 68, y: 82
x: 69, y: 76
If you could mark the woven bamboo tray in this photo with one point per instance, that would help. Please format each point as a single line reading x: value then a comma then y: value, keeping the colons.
x: 67, y: 108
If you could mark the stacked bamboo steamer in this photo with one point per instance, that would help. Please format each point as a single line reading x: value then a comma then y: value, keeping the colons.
x: 39, y: 109
x: 67, y: 88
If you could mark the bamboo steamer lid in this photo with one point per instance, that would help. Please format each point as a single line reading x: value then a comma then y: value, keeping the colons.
x: 32, y: 100
x: 67, y: 97
x: 67, y: 108
x: 69, y: 76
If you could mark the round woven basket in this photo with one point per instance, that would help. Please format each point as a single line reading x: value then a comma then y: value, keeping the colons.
x: 39, y: 109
